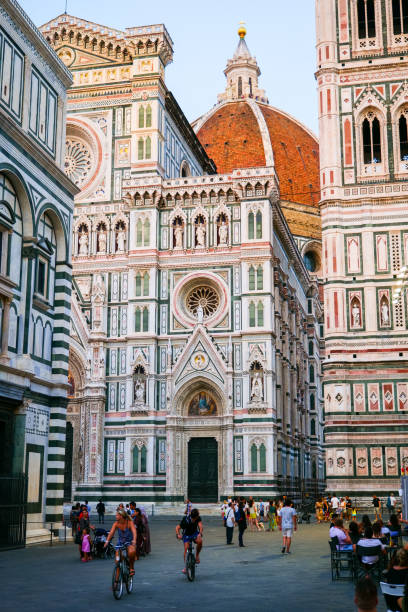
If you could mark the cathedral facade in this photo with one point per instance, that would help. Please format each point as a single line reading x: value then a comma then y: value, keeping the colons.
x: 196, y: 323
x: 362, y: 50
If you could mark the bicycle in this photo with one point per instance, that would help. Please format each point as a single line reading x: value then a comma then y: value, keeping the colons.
x: 190, y: 561
x: 121, y: 572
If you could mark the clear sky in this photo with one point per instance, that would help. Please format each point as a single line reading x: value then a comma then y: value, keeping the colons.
x: 280, y: 34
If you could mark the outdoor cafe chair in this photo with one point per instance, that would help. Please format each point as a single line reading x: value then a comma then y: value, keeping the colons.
x: 372, y: 569
x: 342, y: 562
x: 391, y: 593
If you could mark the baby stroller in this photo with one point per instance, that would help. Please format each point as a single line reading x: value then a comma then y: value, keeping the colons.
x: 98, y: 546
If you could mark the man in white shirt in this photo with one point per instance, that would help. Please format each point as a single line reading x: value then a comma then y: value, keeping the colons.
x: 287, y: 521
x: 369, y: 542
x: 335, y: 504
x: 229, y: 522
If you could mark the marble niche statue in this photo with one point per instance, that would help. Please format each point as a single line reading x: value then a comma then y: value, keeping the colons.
x: 385, y: 313
x: 223, y: 233
x: 257, y: 388
x: 139, y: 391
x: 178, y: 236
x: 102, y: 242
x: 355, y: 313
x: 83, y: 243
x: 200, y: 235
x: 121, y: 237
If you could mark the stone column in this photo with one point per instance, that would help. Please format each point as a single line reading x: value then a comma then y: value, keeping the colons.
x: 5, y: 327
x: 19, y: 437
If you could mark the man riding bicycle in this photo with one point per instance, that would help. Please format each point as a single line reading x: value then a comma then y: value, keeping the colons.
x: 192, y: 528
x: 126, y: 536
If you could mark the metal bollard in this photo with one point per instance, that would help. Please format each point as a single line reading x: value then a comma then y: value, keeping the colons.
x: 51, y: 536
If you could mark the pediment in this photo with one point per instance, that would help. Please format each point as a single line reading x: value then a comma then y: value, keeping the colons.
x: 78, y: 58
x: 200, y: 357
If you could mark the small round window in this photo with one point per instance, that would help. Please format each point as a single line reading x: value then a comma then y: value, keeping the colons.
x: 310, y: 260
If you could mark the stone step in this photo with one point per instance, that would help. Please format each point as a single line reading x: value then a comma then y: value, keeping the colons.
x: 37, y: 536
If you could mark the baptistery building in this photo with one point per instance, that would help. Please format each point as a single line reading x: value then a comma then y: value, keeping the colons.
x: 196, y: 316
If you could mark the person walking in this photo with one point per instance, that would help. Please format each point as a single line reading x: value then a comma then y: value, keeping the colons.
x: 287, y: 520
x: 271, y: 515
x: 377, y: 508
x: 391, y: 501
x: 240, y: 520
x: 100, y: 508
x: 229, y: 523
x: 148, y: 546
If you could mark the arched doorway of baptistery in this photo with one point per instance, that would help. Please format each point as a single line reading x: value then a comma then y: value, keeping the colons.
x: 203, y: 470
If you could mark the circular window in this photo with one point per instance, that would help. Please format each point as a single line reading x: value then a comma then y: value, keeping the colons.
x: 78, y: 161
x: 206, y: 297
x: 310, y: 260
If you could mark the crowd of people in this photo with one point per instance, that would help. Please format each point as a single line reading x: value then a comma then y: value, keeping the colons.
x: 131, y: 523
x: 247, y: 513
x: 329, y: 507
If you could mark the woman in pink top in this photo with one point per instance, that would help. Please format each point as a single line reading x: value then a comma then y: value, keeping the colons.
x: 342, y: 535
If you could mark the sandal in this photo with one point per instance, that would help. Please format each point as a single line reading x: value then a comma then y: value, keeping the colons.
x: 132, y: 572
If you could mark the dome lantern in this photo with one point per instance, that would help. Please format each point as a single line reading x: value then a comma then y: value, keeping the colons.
x: 242, y: 73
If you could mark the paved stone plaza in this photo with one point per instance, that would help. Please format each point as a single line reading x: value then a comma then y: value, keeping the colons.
x: 257, y: 577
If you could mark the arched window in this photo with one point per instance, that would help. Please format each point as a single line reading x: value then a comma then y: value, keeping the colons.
x: 260, y: 310
x: 145, y: 319
x: 239, y: 87
x: 262, y: 458
x: 140, y: 149
x: 141, y: 116
x: 138, y: 284
x: 252, y: 321
x: 311, y: 348
x: 250, y: 86
x: 148, y: 148
x: 146, y: 280
x: 312, y: 402
x: 312, y: 427
x: 138, y: 320
x: 251, y: 279
x: 251, y: 226
x: 139, y: 459
x: 400, y: 16
x: 371, y: 139
x: 254, y: 458
x: 139, y: 233
x: 366, y: 18
x: 310, y: 261
x: 403, y: 136
x: 149, y: 116
x: 259, y: 224
x: 311, y: 374
x: 259, y: 278
x: 147, y: 232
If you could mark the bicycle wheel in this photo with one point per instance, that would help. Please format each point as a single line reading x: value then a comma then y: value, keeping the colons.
x: 128, y: 581
x: 190, y: 566
x: 117, y: 582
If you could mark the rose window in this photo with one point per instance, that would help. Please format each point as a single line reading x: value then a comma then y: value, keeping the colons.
x: 206, y: 297
x: 78, y: 161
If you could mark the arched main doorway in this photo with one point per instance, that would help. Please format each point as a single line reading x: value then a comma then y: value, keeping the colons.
x: 203, y: 470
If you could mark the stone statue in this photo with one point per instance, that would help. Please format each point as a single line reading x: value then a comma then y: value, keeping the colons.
x: 120, y: 237
x: 200, y: 235
x: 200, y: 314
x: 83, y: 244
x: 355, y: 312
x: 385, y: 313
x: 257, y: 388
x: 223, y: 233
x: 102, y: 242
x: 139, y: 391
x: 178, y: 236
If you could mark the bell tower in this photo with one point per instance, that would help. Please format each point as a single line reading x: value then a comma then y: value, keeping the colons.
x: 362, y: 57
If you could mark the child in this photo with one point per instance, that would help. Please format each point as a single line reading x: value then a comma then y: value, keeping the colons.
x: 354, y: 514
x: 86, y: 545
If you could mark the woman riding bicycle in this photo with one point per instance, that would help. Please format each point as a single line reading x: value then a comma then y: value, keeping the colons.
x: 192, y: 528
x: 126, y: 536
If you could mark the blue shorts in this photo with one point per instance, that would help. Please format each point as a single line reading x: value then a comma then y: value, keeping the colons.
x: 191, y: 538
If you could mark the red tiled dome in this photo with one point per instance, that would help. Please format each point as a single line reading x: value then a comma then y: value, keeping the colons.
x: 232, y: 137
